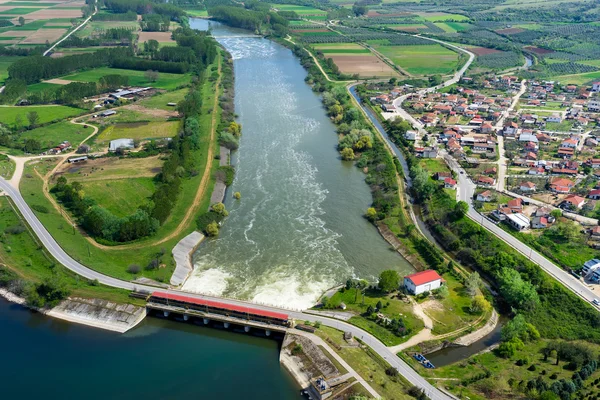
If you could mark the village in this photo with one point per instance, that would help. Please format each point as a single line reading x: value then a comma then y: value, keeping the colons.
x: 529, y: 146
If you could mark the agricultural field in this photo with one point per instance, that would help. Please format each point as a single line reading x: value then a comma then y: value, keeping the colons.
x: 340, y: 48
x: 136, y: 78
x: 44, y: 21
x: 46, y: 114
x: 442, y: 17
x: 122, y: 197
x: 112, y: 168
x: 302, y: 11
x: 197, y: 13
x: 163, y: 38
x: 421, y: 59
x: 52, y: 135
x: 139, y: 131
x: 159, y: 102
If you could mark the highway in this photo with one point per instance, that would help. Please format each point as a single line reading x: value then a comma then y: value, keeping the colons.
x: 62, y: 257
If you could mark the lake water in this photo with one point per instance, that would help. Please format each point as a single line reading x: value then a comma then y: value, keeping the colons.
x: 299, y: 227
x: 160, y: 359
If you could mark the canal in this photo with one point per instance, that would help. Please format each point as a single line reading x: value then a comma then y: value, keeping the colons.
x: 159, y: 359
x: 299, y: 227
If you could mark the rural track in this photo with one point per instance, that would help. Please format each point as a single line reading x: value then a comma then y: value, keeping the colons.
x: 74, y: 30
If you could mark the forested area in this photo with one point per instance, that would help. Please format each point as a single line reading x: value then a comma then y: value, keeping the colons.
x: 257, y: 19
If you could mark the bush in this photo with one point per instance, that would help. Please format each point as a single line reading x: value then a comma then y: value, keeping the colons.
x: 40, y: 208
x: 391, y: 371
x: 15, y: 230
x: 134, y: 269
x: 205, y: 219
x: 229, y: 141
x: 532, y: 367
x: 212, y: 229
x: 297, y: 349
x: 554, y: 376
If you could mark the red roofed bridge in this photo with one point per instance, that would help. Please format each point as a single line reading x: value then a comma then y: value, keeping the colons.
x: 227, y: 313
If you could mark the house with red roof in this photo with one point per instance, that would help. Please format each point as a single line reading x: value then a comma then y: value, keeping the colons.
x: 485, y: 180
x: 424, y: 281
x: 449, y: 183
x: 594, y: 194
x: 561, y: 185
x: 574, y: 201
x: 527, y: 186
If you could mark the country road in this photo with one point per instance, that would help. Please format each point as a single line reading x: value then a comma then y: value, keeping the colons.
x: 73, y: 31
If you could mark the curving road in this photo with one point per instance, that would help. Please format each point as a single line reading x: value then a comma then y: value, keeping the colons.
x: 62, y: 257
x: 73, y: 31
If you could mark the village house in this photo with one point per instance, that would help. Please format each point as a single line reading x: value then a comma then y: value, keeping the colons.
x: 539, y: 222
x: 410, y: 135
x: 555, y: 117
x: 485, y: 196
x: 515, y: 205
x: 442, y: 175
x: 573, y: 201
x: 485, y: 180
x: 594, y: 194
x: 449, y: 183
x: 561, y: 185
x: 537, y: 171
x: 527, y: 186
x: 424, y: 281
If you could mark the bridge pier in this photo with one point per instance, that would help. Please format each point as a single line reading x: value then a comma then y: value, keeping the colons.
x: 166, y: 313
x: 267, y: 332
x: 186, y: 317
x: 206, y: 321
x: 226, y: 325
x: 246, y: 329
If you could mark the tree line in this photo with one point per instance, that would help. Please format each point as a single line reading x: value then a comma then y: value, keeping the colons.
x: 260, y: 21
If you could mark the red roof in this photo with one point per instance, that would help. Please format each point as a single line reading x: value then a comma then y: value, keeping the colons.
x: 421, y: 278
x: 217, y: 304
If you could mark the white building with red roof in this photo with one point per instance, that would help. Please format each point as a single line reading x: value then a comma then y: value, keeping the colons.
x: 424, y: 281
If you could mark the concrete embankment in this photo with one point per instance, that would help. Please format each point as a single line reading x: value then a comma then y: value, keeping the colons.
x: 479, y: 334
x: 182, y: 254
x: 96, y: 313
x: 218, y: 194
x: 101, y: 314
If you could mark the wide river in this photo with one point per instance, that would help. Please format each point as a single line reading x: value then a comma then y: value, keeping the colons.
x: 160, y: 359
x: 298, y: 229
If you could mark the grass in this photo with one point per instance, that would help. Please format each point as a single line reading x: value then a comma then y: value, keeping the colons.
x: 114, y: 168
x: 114, y: 261
x: 41, y: 87
x: 396, y: 308
x: 52, y: 135
x: 300, y: 10
x: 122, y: 197
x: 19, y: 11
x: 421, y: 59
x: 7, y: 167
x: 125, y: 115
x: 139, y: 130
x: 441, y: 17
x: 370, y: 366
x: 22, y: 254
x: 197, y: 13
x: 160, y: 101
x: 458, y: 26
x: 136, y: 78
x: 446, y: 27
x: 579, y: 79
x: 46, y: 113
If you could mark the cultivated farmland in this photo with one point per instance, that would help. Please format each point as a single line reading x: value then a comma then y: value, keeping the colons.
x: 136, y: 78
x: 421, y: 59
x: 46, y: 114
x: 139, y: 130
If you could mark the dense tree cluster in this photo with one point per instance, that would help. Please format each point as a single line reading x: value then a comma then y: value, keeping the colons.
x: 258, y: 19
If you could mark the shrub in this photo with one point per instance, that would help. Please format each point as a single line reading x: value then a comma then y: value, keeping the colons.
x: 40, y: 208
x: 212, y: 229
x: 15, y: 230
x: 532, y: 367
x: 134, y: 269
x: 229, y: 141
x: 297, y: 349
x: 554, y: 376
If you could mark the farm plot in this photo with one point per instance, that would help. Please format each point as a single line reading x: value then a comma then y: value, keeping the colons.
x: 413, y: 28
x: 42, y: 35
x: 136, y: 78
x: 500, y: 60
x: 52, y: 135
x: 442, y: 17
x: 8, y: 114
x: 160, y: 37
x: 301, y: 10
x: 112, y: 168
x: 482, y: 51
x: 122, y: 197
x: 139, y: 131
x: 340, y: 48
x: 365, y: 65
x: 160, y: 102
x: 421, y: 59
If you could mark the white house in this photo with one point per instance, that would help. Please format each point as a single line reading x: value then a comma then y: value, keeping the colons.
x: 555, y: 117
x: 593, y: 105
x: 421, y: 282
x: 120, y: 144
x: 590, y: 266
x: 518, y: 221
x: 410, y: 135
x: 596, y: 87
x: 527, y: 187
x: 485, y: 196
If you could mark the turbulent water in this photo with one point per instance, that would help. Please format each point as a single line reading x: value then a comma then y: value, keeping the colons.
x: 298, y: 228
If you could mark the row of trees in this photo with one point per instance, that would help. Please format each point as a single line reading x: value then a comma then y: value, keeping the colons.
x: 258, y: 21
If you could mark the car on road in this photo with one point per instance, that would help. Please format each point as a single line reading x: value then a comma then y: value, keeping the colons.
x: 462, y: 172
x: 596, y: 302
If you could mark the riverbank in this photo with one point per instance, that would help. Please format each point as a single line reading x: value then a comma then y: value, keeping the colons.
x: 95, y: 313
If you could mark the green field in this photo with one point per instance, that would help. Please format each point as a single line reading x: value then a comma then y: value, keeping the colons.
x: 421, y: 59
x: 441, y: 17
x: 52, y: 135
x: 136, y: 78
x: 7, y: 167
x: 578, y: 79
x: 42, y: 86
x: 28, y: 4
x: 300, y: 10
x: 446, y: 27
x: 122, y: 197
x: 197, y: 13
x: 46, y: 113
x: 458, y: 26
x: 139, y: 130
x: 160, y: 101
x: 19, y: 11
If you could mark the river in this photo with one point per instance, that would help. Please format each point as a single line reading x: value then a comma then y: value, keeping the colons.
x: 299, y: 227
x: 160, y: 359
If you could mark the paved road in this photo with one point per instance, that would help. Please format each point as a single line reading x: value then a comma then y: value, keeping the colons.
x: 62, y: 257
x: 73, y: 31
x: 466, y: 188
